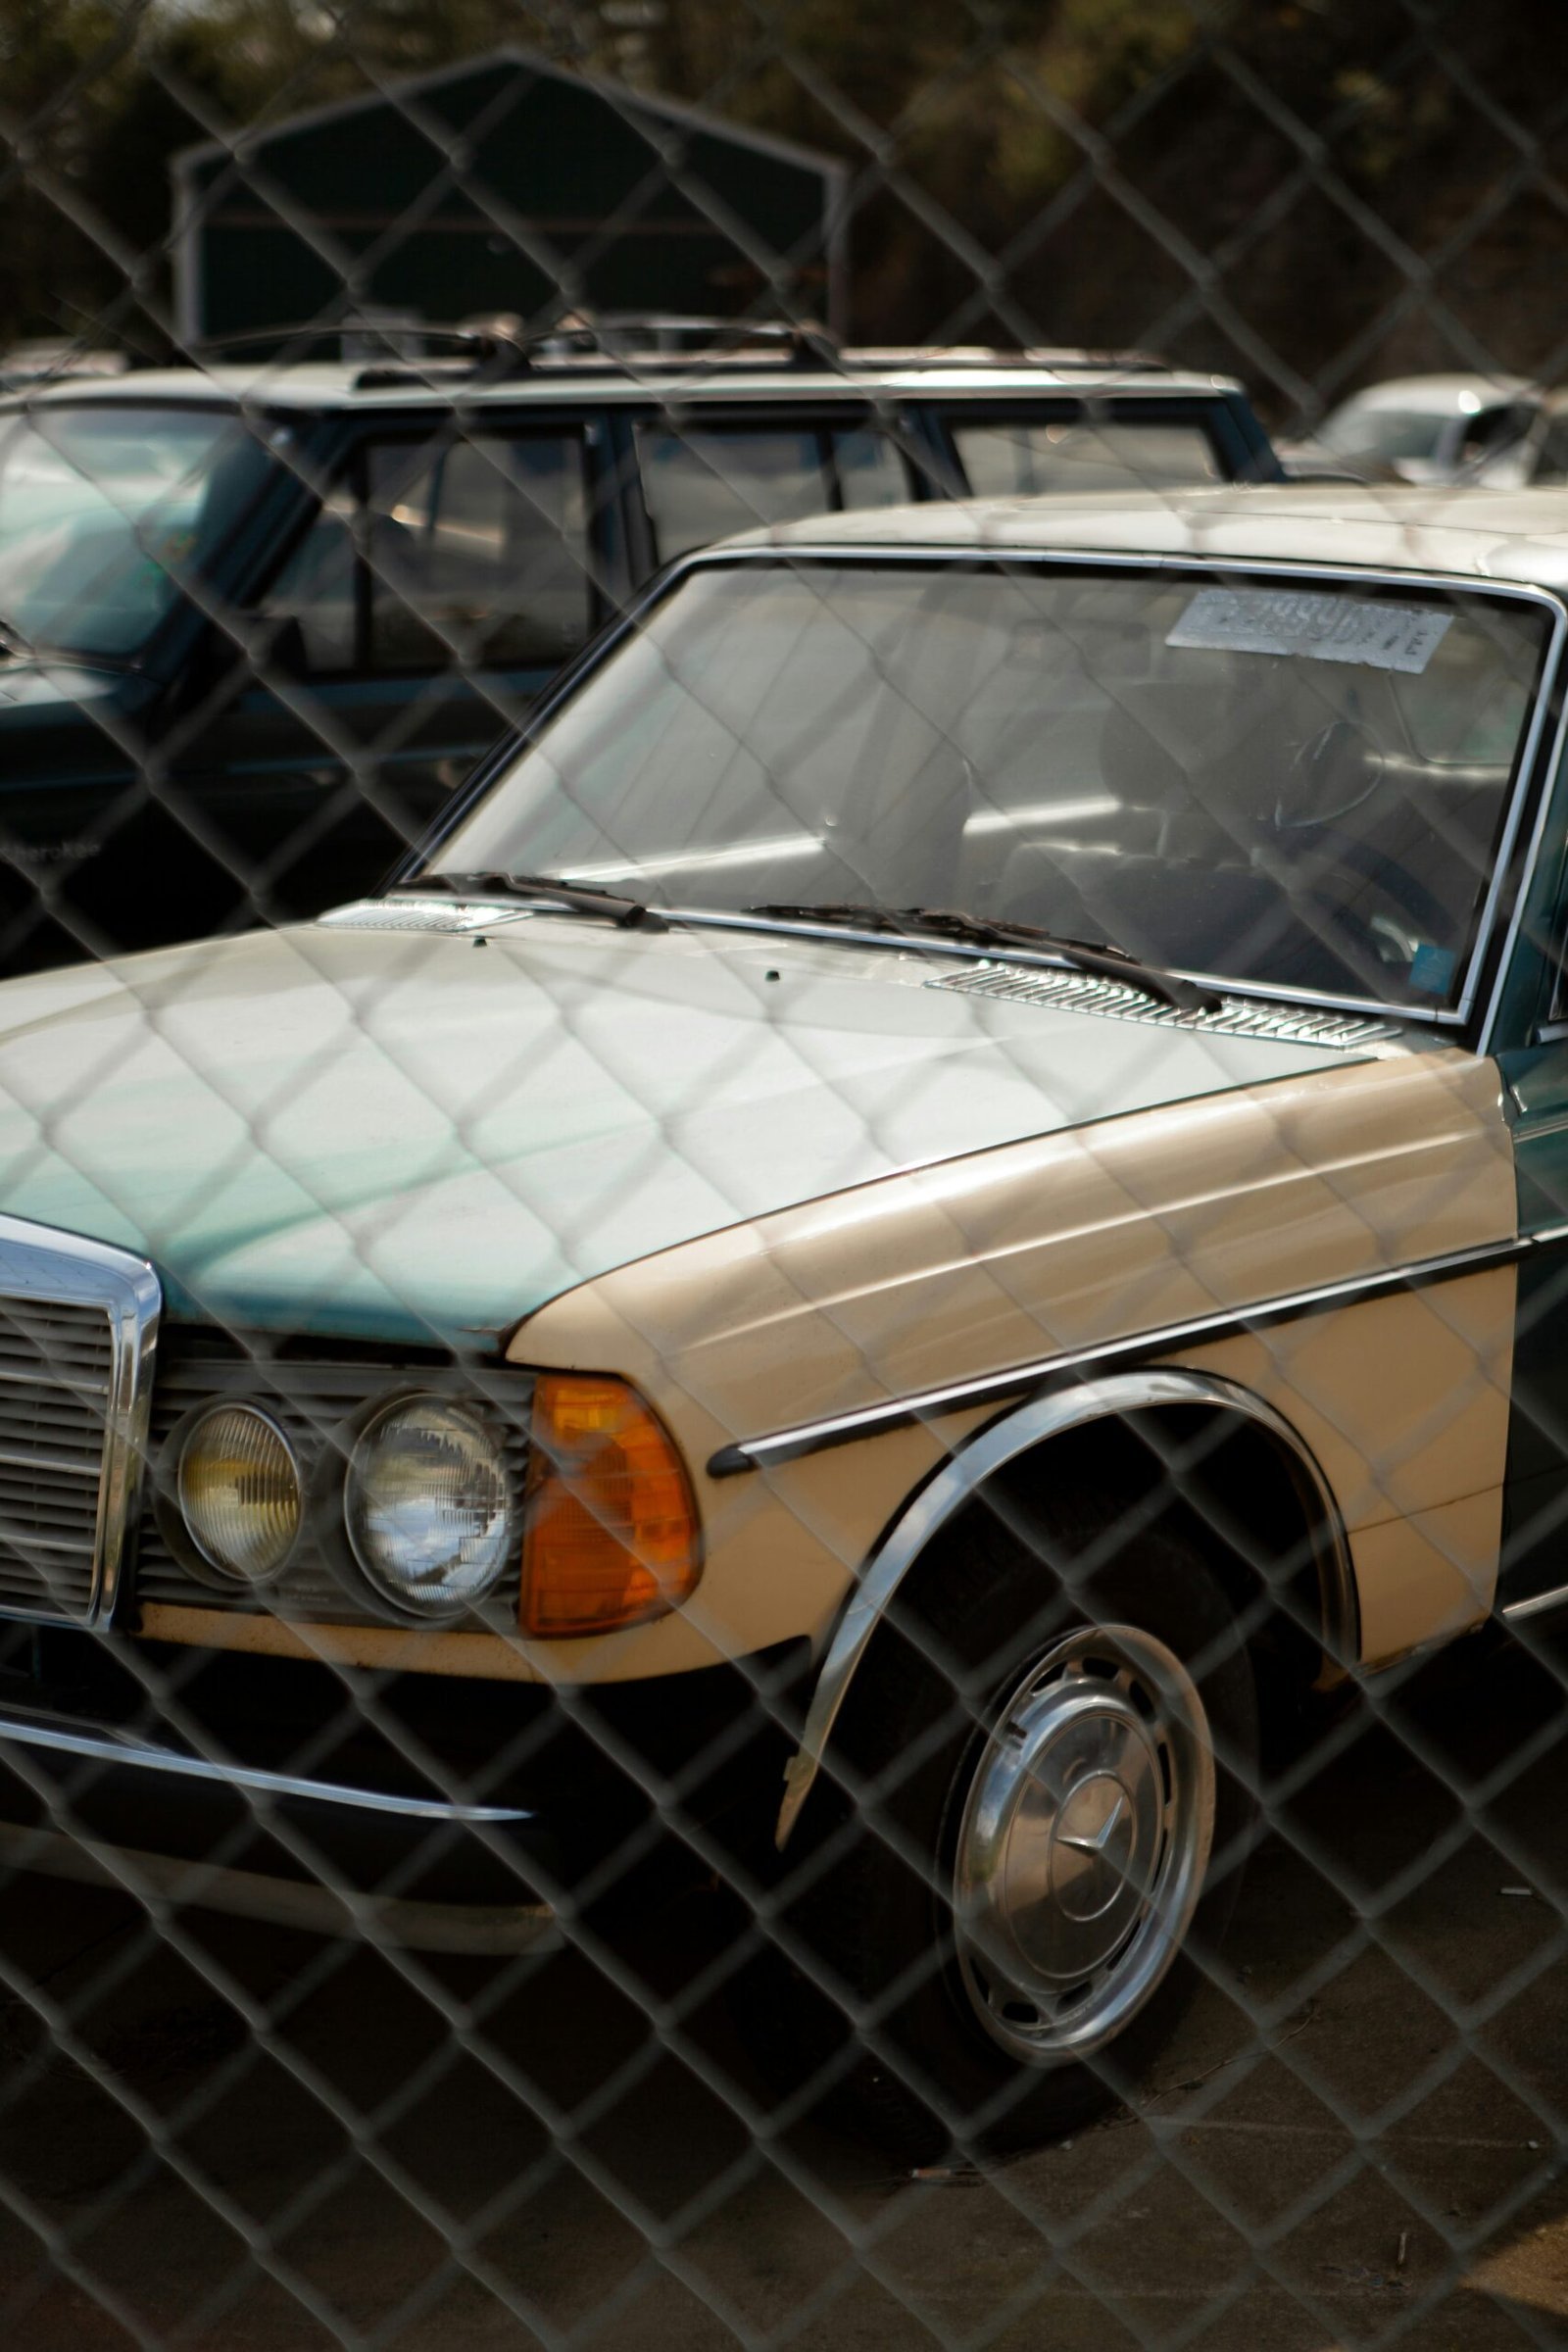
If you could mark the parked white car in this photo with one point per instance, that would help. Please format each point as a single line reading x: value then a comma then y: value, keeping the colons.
x: 1421, y: 428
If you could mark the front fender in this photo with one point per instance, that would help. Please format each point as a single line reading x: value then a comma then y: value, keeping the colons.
x: 1020, y: 1432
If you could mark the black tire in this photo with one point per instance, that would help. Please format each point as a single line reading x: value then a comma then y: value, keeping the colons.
x: 877, y: 2028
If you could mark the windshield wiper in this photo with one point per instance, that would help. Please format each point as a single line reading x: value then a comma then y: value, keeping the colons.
x: 862, y: 913
x: 1100, y: 957
x: 584, y: 898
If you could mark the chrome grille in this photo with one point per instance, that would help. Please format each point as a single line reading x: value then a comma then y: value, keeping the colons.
x: 310, y: 1401
x: 56, y: 1366
x: 77, y: 1323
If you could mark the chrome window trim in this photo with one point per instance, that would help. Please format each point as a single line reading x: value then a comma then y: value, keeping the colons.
x: 1527, y: 880
x: 914, y: 552
x: 954, y: 1486
x: 996, y: 1387
x: 106, y: 1745
x: 69, y: 1269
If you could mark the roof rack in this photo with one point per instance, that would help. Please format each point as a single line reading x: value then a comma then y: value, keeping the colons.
x: 357, y: 335
x: 504, y: 346
x: 395, y: 348
x: 1065, y: 359
x: 682, y: 335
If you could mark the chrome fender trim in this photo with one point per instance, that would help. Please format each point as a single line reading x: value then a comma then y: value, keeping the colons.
x: 1016, y: 1433
x: 995, y: 1388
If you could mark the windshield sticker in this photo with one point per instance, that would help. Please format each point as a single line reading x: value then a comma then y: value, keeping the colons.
x: 1317, y: 628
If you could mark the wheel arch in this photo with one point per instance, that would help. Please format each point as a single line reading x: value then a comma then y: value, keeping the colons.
x: 1177, y: 1424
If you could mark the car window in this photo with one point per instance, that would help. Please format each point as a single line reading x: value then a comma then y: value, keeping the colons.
x: 1364, y: 429
x: 1496, y: 429
x: 474, y: 551
x: 317, y: 592
x: 103, y: 508
x: 701, y: 486
x: 1013, y: 458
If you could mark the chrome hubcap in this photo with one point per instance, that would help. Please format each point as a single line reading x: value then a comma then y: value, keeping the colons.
x: 1085, y: 1838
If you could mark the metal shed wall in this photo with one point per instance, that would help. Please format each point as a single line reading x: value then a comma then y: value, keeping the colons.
x: 503, y: 183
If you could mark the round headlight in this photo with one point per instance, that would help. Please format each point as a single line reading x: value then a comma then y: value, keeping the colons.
x: 428, y: 1506
x: 239, y: 1492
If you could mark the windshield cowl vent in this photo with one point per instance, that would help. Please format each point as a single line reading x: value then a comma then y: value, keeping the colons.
x: 1078, y: 991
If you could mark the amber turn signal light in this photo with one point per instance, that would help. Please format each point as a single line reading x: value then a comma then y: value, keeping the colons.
x: 610, y: 1535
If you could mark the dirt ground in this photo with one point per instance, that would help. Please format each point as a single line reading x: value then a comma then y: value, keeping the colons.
x: 267, y: 2144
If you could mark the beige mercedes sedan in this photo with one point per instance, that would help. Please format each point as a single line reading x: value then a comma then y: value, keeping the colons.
x: 944, y: 1190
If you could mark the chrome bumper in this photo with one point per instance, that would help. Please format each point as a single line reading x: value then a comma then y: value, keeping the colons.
x: 92, y: 1772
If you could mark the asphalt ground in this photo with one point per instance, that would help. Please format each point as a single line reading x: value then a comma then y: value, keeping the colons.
x: 229, y: 2138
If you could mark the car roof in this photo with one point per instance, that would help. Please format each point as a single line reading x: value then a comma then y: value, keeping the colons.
x: 1516, y: 535
x: 437, y: 386
x: 1439, y: 395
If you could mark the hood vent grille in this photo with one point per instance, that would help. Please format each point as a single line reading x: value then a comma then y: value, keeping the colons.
x: 1083, y: 992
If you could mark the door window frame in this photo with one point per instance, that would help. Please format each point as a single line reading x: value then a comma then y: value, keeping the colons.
x: 1234, y: 462
x: 351, y: 467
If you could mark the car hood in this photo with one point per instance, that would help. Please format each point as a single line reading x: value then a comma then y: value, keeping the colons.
x: 31, y: 690
x: 424, y: 1134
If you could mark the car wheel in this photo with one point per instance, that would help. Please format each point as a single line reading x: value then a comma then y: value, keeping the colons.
x: 1043, y: 1792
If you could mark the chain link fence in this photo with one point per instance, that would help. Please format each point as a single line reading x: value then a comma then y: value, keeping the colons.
x: 782, y: 1451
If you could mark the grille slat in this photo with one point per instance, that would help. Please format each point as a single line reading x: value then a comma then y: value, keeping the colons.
x: 65, y: 1378
x: 62, y: 1465
x: 20, y: 1541
x: 20, y: 1509
x: 56, y: 1420
x: 48, y: 1500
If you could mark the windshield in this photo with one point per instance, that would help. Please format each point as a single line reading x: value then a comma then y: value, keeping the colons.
x: 100, y: 508
x: 1281, y: 780
x: 1367, y: 430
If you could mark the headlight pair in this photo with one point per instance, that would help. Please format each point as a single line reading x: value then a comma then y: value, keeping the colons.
x: 427, y: 1502
x: 606, y: 1535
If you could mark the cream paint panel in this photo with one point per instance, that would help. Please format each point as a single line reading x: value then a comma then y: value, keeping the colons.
x: 1405, y: 1401
x: 1062, y: 1244
x: 1429, y: 1576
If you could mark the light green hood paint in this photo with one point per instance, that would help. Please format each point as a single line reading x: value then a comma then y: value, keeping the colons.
x: 408, y: 1134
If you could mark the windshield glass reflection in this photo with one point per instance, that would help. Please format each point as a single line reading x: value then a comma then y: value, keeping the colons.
x: 102, y: 508
x: 1277, y: 779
